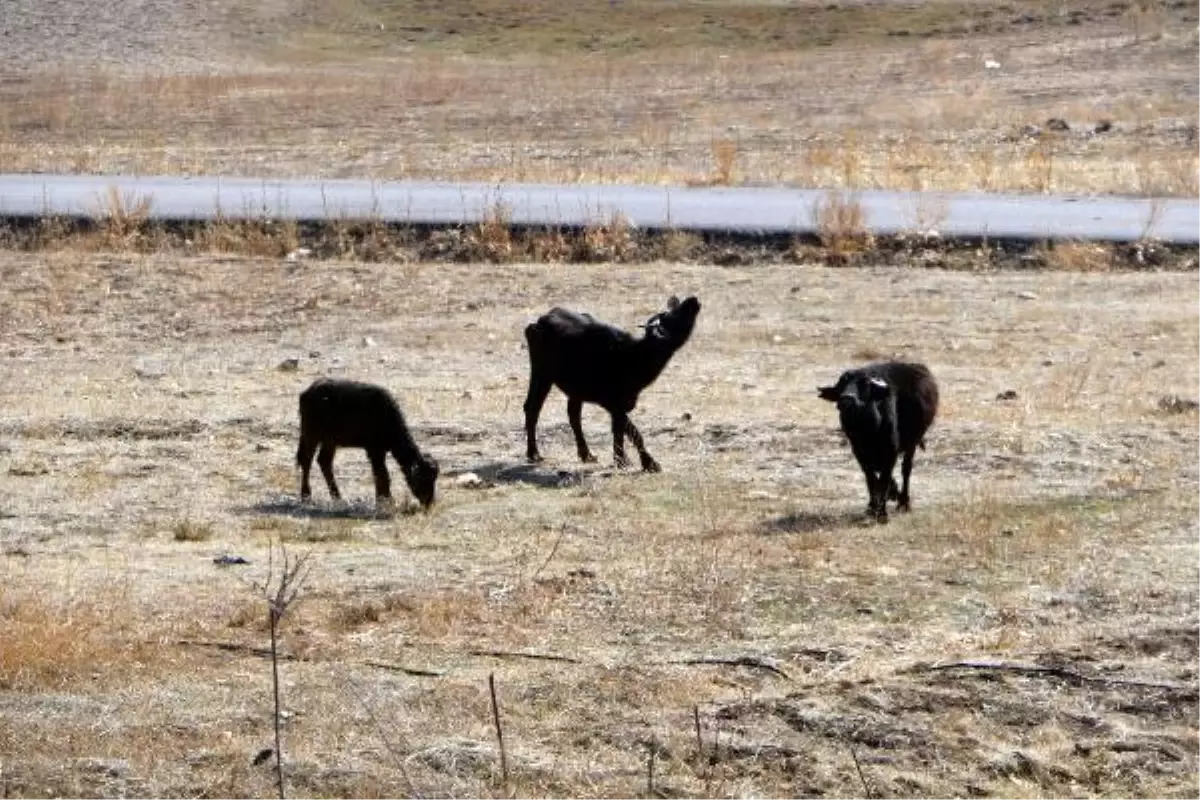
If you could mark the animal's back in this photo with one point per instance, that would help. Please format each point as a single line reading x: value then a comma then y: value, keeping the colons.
x: 573, y: 348
x: 348, y: 413
x: 916, y: 396
x: 572, y: 326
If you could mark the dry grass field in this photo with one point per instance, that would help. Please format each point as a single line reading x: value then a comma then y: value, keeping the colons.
x: 950, y: 94
x: 147, y: 429
x: 731, y: 627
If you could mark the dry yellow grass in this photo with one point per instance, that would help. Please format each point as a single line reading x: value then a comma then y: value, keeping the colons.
x: 841, y: 224
x: 1052, y: 529
x: 848, y: 96
x: 733, y: 620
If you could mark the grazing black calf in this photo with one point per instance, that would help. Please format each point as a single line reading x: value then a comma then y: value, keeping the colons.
x: 885, y: 410
x: 592, y: 362
x: 341, y: 413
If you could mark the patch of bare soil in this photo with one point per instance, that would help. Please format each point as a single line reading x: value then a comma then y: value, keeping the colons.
x: 1030, y: 628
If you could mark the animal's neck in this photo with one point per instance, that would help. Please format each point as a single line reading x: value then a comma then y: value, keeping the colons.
x: 404, y: 448
x: 652, y: 358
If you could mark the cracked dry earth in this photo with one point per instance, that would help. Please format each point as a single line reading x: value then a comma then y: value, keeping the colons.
x: 1029, y: 629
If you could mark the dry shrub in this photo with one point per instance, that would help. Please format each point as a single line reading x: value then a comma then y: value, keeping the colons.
x: 247, y: 614
x: 48, y: 643
x: 356, y: 613
x: 188, y: 531
x: 1074, y: 256
x: 123, y: 219
x: 491, y: 240
x: 612, y: 240
x: 546, y: 246
x: 264, y: 238
x: 842, y: 227
x: 676, y: 245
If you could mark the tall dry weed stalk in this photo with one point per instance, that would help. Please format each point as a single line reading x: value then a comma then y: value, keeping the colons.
x: 281, y: 592
x: 499, y: 730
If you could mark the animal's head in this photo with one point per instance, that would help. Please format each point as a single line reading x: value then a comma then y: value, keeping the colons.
x: 674, y: 325
x: 422, y: 475
x: 857, y: 394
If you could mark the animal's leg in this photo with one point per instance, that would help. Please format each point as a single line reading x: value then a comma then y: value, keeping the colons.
x: 905, y: 471
x: 304, y: 457
x: 648, y: 462
x: 325, y: 462
x: 869, y: 474
x: 574, y: 413
x: 620, y: 424
x: 383, y: 481
x: 893, y: 492
x: 883, y: 485
x: 539, y: 387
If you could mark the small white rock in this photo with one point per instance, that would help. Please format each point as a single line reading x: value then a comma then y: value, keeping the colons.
x: 469, y: 480
x: 149, y: 368
x: 368, y: 341
x: 1027, y: 295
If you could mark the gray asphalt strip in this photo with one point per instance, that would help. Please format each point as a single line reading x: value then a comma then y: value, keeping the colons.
x: 747, y: 210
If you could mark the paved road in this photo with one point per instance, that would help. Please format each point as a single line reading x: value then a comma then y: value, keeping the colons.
x: 742, y: 210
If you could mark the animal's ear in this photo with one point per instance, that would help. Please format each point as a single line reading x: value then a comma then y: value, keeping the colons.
x: 878, y: 388
x: 672, y: 303
x: 829, y: 393
x: 692, y: 305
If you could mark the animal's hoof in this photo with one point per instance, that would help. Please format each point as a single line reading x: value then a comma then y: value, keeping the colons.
x: 534, y: 458
x: 587, y: 458
x: 621, y: 462
x: 650, y: 465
